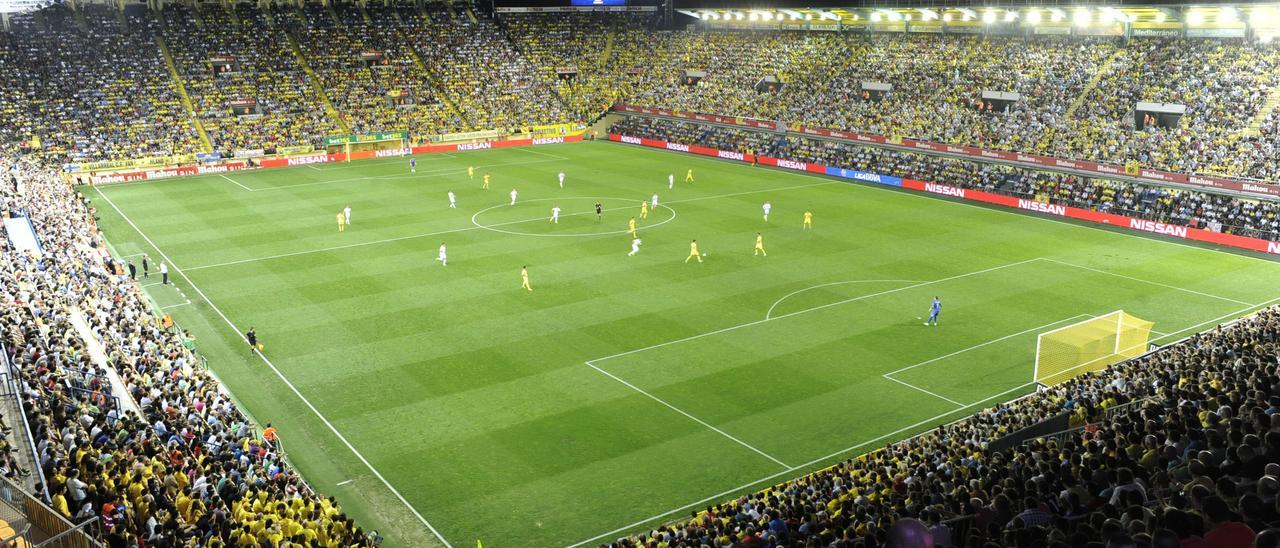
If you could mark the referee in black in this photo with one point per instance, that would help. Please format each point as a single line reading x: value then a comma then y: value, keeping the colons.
x: 599, y: 210
x: 252, y: 335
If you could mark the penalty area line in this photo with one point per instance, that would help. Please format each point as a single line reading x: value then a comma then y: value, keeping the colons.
x: 279, y: 374
x: 786, y: 467
x: 740, y: 488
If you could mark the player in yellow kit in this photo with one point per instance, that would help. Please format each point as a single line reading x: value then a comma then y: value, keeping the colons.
x: 760, y: 245
x: 486, y: 182
x: 631, y: 227
x: 471, y: 172
x: 688, y: 176
x: 644, y: 210
x: 342, y: 222
x: 693, y: 251
x: 524, y: 278
x: 808, y: 219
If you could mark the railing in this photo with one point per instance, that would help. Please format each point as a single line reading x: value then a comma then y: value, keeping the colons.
x: 40, y: 524
x: 83, y: 535
x: 11, y: 387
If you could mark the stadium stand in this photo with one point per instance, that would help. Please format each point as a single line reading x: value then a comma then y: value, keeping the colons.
x: 188, y: 467
x: 288, y: 111
x: 483, y: 75
x: 502, y: 74
x: 91, y: 91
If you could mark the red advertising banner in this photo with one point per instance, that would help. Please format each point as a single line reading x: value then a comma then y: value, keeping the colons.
x: 1143, y: 225
x: 164, y: 173
x: 1087, y: 167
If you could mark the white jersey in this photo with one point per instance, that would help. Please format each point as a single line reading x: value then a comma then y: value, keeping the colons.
x: 655, y: 200
x: 635, y: 246
x: 555, y: 213
x: 767, y: 207
x: 513, y: 197
x: 452, y: 198
x: 346, y: 212
x: 561, y: 178
x: 443, y: 251
x: 671, y: 180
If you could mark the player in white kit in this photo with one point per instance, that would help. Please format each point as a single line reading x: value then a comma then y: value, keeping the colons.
x: 555, y: 214
x: 671, y: 181
x: 767, y: 207
x: 561, y: 179
x: 635, y: 246
x: 513, y: 196
x: 444, y: 257
x: 453, y: 200
x: 346, y: 212
x: 653, y: 202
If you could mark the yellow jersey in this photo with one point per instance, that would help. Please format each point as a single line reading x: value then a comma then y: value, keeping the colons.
x: 759, y: 241
x: 693, y: 249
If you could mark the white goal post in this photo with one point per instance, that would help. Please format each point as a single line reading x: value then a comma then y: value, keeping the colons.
x: 1089, y: 345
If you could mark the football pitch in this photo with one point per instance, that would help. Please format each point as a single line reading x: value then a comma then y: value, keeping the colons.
x: 445, y: 402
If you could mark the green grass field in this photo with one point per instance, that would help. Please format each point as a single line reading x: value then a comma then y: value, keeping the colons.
x: 623, y: 391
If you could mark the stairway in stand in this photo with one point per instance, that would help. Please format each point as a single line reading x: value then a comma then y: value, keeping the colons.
x: 312, y: 77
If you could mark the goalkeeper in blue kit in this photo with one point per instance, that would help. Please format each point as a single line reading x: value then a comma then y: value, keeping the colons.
x: 934, y: 310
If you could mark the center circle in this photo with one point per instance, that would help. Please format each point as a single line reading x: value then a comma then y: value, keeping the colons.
x: 501, y: 227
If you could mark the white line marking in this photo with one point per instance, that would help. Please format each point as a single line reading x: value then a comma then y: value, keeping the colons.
x: 492, y: 228
x: 939, y: 396
x: 283, y: 379
x: 1174, y: 287
x: 799, y: 291
x: 422, y: 174
x: 980, y: 345
x: 819, y: 307
x: 740, y: 488
x: 469, y: 228
x: 531, y: 150
x: 314, y: 167
x: 175, y: 305
x: 691, y: 417
x: 1007, y: 211
x: 151, y: 284
x: 345, y: 482
x: 235, y: 182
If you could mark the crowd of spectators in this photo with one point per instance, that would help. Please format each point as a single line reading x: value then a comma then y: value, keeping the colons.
x: 1182, y: 207
x: 89, y: 85
x: 937, y: 86
x: 93, y: 85
x: 187, y: 468
x: 611, y: 53
x: 474, y: 63
x: 1179, y: 448
x: 372, y: 95
x: 263, y: 70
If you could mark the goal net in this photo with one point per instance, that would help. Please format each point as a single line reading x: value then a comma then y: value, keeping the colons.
x: 1090, y: 345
